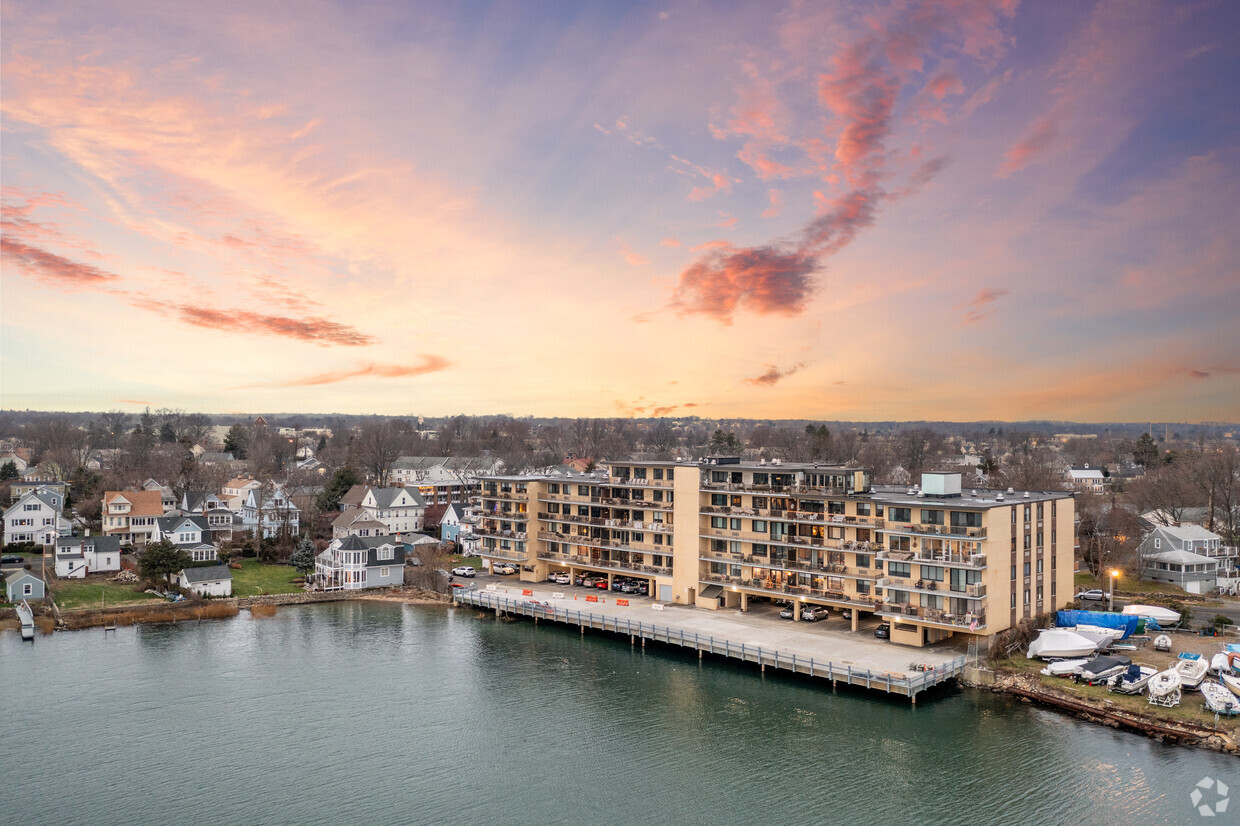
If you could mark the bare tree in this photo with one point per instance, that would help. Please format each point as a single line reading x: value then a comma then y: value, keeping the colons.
x: 377, y: 447
x: 1165, y: 493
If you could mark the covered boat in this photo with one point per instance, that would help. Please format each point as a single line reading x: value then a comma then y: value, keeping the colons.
x: 1219, y: 700
x: 1102, y: 638
x: 1218, y: 663
x: 1164, y: 616
x: 1133, y: 680
x: 1164, y: 688
x: 1100, y: 669
x: 1192, y: 669
x: 1057, y: 643
x: 1231, y: 682
x: 1063, y: 668
x: 1162, y: 643
x: 1122, y: 625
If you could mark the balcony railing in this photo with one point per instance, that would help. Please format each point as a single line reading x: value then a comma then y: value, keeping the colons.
x: 928, y: 558
x: 860, y: 600
x: 639, y: 483
x: 932, y: 587
x: 790, y: 565
x: 508, y: 496
x: 620, y: 524
x: 951, y: 531
x: 484, y: 530
x: 597, y: 542
x: 968, y: 621
x: 609, y: 564
x: 511, y: 556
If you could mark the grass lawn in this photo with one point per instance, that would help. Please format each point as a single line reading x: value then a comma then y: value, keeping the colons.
x: 255, y: 578
x: 475, y: 561
x: 76, y: 594
x: 1128, y: 585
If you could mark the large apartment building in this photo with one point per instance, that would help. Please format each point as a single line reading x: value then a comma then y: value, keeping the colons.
x: 931, y: 559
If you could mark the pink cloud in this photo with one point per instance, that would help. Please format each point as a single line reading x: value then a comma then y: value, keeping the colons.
x: 313, y: 329
x: 777, y: 202
x: 762, y: 280
x: 669, y: 242
x: 979, y: 307
x: 773, y: 375
x: 1020, y: 155
x: 53, y: 269
x: 430, y: 364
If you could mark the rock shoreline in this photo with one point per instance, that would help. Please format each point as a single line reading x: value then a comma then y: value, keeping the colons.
x: 1028, y: 689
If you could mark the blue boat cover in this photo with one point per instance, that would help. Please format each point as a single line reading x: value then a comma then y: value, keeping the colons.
x: 1103, y: 619
x: 1133, y: 673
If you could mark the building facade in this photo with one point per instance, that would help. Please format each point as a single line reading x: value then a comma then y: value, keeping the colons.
x: 36, y: 517
x: 932, y: 559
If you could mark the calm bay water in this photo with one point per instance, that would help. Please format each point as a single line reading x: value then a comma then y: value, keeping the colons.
x: 385, y: 713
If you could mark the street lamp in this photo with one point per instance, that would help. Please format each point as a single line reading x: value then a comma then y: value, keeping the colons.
x: 1111, y: 595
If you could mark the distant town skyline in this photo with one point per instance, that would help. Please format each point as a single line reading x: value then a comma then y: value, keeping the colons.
x: 954, y: 210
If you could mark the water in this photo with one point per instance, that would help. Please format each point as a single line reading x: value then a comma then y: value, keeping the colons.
x: 385, y: 713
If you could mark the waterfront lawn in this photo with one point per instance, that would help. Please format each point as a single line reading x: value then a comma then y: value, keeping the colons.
x: 79, y: 594
x: 1190, y: 710
x: 255, y: 578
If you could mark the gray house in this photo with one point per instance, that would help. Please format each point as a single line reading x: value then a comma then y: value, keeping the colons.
x: 21, y: 585
x: 356, y: 562
x: 1188, y: 556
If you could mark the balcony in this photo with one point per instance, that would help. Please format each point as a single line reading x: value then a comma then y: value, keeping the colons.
x: 512, y: 516
x: 949, y: 531
x: 507, y: 496
x: 976, y: 561
x: 577, y: 560
x: 932, y: 587
x: 789, y: 565
x: 510, y: 556
x: 793, y: 591
x: 488, y: 530
x: 627, y: 482
x: 934, y: 616
x: 598, y: 542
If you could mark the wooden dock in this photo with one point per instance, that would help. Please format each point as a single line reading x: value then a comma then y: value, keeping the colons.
x: 907, y: 685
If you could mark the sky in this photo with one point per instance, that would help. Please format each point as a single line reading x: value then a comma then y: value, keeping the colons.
x: 940, y: 210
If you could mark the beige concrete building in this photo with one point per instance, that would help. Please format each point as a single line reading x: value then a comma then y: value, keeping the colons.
x: 932, y: 559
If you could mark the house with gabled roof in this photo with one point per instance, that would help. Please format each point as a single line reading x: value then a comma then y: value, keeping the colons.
x: 77, y: 556
x: 167, y: 498
x: 400, y: 509
x: 191, y: 534
x: 21, y: 584
x: 272, y: 512
x: 207, y: 580
x: 357, y: 562
x: 357, y: 522
x: 130, y: 515
x: 36, y: 517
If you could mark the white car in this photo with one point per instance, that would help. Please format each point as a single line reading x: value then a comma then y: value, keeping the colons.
x: 504, y: 568
x: 464, y: 570
x: 1095, y: 595
x: 562, y: 579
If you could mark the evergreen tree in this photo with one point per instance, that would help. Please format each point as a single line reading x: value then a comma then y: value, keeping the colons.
x: 9, y: 470
x: 1145, y: 453
x: 343, y: 479
x: 160, y: 560
x: 237, y: 441
x: 303, y: 555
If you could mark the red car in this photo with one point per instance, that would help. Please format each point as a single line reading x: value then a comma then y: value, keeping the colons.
x: 601, y: 585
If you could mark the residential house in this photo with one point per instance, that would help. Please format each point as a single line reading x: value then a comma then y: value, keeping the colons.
x: 353, y: 497
x: 77, y: 556
x: 22, y: 584
x: 357, y: 562
x: 1218, y: 561
x: 166, y: 497
x: 36, y: 517
x: 401, y: 509
x: 207, y: 580
x: 18, y: 462
x: 130, y: 514
x: 453, y: 522
x: 271, y: 512
x: 236, y: 490
x: 19, y: 489
x: 357, y: 522
x: 1086, y: 479
x: 443, y: 479
x: 220, y: 519
x: 191, y: 534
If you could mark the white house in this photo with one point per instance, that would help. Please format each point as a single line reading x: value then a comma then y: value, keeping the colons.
x: 1087, y: 479
x: 36, y: 517
x: 357, y: 562
x: 400, y: 509
x: 275, y: 511
x: 191, y: 534
x: 77, y: 556
x: 208, y: 580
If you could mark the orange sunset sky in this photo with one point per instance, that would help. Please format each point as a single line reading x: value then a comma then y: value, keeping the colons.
x: 951, y: 209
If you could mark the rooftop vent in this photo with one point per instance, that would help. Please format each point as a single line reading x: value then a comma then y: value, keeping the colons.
x: 1011, y: 490
x: 999, y: 498
x: 1026, y: 494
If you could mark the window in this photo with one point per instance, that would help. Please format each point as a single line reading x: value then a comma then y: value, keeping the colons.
x: 929, y: 601
x: 759, y: 526
x: 27, y: 589
x: 385, y: 572
x: 658, y: 473
x: 1026, y: 569
x: 734, y: 524
x: 718, y: 522
x: 863, y: 509
x: 863, y: 560
x: 1157, y: 543
x: 903, y: 569
x: 718, y: 500
x: 900, y: 514
x: 1026, y: 596
x: 931, y: 517
x: 759, y: 549
x: 385, y: 552
x: 1039, y: 566
x: 932, y: 572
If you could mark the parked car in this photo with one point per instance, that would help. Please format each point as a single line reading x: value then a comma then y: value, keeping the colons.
x: 643, y: 588
x: 562, y: 578
x: 789, y: 611
x: 630, y: 587
x: 464, y: 570
x: 1094, y: 594
x: 601, y: 583
x: 813, y: 613
x: 11, y: 559
x: 504, y: 569
x: 580, y: 579
x: 883, y: 631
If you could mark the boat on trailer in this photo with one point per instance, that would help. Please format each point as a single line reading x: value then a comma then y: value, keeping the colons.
x: 1101, y: 669
x: 1162, y: 643
x: 1164, y: 688
x: 1059, y: 643
x: 1231, y: 682
x: 1134, y: 680
x: 1163, y: 616
x: 1063, y: 668
x: 1219, y: 700
x: 1192, y: 669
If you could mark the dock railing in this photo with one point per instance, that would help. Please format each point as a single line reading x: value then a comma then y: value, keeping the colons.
x: 908, y: 685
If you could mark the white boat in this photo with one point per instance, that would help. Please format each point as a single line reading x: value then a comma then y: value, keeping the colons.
x: 1192, y: 670
x: 1063, y: 668
x: 1102, y: 638
x: 1218, y: 663
x: 1231, y: 682
x: 1219, y: 700
x: 1134, y: 680
x: 1162, y: 643
x: 1164, y: 616
x: 1113, y: 633
x: 1102, y: 669
x: 1059, y: 643
x: 1164, y: 688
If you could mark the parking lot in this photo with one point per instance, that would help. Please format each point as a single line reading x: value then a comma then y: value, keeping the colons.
x: 830, y: 639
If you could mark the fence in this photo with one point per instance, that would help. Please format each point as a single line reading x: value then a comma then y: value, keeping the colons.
x: 901, y: 684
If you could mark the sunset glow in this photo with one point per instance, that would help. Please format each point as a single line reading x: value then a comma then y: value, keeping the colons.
x: 952, y: 209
